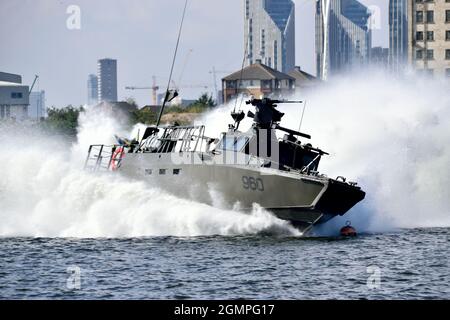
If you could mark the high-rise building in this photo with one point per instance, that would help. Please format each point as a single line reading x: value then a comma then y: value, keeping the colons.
x: 269, y: 33
x: 429, y: 36
x: 343, y: 37
x: 107, y: 80
x: 398, y: 34
x: 37, y: 109
x: 92, y: 87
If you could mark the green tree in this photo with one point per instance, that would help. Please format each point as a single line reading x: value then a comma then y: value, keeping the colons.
x: 206, y: 100
x: 62, y: 121
x: 131, y: 101
x: 203, y: 103
x: 145, y: 116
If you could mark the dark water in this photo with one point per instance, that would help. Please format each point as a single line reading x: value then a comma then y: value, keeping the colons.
x: 409, y: 264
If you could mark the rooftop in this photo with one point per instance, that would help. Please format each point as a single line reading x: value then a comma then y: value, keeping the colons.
x: 10, y: 77
x: 257, y: 71
x: 302, y: 77
x: 11, y: 84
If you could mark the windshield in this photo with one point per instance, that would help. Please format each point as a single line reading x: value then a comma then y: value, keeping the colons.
x: 233, y: 143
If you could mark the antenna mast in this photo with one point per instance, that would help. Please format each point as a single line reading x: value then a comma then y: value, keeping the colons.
x: 301, y: 119
x: 167, y: 97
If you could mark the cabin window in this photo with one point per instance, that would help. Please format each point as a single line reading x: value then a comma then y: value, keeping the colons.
x: 162, y: 171
x: 148, y: 172
x: 308, y: 159
x: 240, y: 143
x: 176, y: 171
x: 233, y: 143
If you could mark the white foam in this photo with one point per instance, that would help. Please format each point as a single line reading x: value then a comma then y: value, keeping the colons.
x: 391, y: 135
x: 45, y: 193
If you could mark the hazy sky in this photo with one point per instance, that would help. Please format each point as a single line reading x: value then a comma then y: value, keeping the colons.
x: 141, y: 35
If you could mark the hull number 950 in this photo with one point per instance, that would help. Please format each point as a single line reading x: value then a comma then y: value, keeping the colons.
x: 251, y: 183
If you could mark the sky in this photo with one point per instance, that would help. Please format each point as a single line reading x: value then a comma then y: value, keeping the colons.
x: 141, y: 35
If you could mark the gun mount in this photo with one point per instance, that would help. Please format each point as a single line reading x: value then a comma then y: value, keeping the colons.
x: 267, y: 117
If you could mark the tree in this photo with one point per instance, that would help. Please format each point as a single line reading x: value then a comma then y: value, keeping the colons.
x: 131, y: 101
x: 204, y: 102
x: 145, y: 116
x: 62, y: 121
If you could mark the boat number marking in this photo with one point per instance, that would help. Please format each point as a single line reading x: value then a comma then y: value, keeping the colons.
x: 251, y: 183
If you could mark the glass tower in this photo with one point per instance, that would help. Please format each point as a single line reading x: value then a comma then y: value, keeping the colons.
x: 398, y: 34
x: 270, y: 33
x: 343, y: 38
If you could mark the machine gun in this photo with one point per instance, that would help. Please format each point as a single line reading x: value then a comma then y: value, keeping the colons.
x: 266, y: 116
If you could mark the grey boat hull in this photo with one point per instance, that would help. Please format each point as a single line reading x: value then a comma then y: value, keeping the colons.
x: 304, y: 200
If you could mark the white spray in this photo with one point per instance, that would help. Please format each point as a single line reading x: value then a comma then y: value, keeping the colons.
x: 44, y: 192
x: 389, y: 135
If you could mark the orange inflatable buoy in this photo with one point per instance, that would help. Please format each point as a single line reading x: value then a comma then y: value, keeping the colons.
x: 348, y: 230
x: 116, y: 157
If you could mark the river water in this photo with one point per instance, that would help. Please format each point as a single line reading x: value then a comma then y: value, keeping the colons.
x: 405, y: 264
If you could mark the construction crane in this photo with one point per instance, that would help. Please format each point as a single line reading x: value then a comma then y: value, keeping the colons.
x: 189, y: 86
x: 155, y: 88
x: 36, y: 77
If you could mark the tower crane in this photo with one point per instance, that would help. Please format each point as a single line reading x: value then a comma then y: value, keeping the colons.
x: 155, y: 88
x: 36, y: 77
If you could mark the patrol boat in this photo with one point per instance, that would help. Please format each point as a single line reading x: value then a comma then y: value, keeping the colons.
x: 237, y: 170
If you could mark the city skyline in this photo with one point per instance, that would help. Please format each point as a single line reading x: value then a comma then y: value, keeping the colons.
x: 141, y: 35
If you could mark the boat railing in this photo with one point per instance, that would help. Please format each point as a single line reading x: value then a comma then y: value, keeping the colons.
x: 268, y: 163
x: 177, y: 139
x: 103, y: 157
